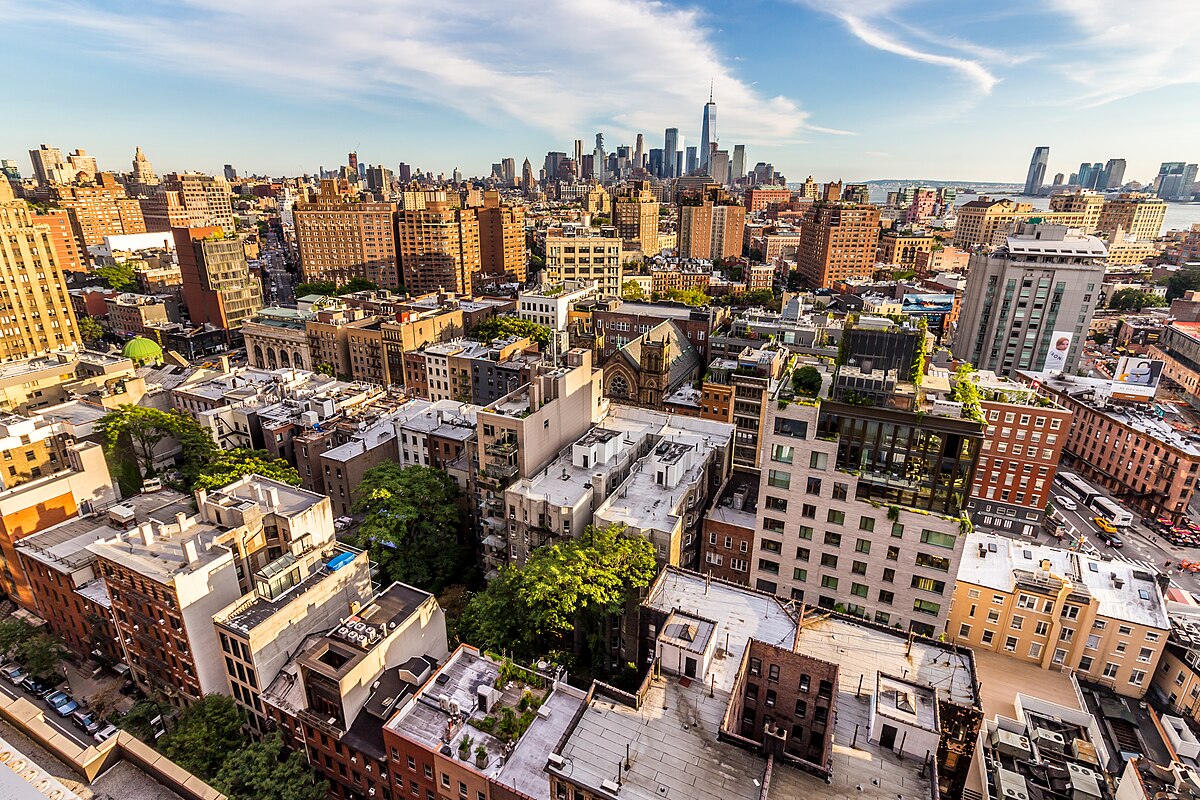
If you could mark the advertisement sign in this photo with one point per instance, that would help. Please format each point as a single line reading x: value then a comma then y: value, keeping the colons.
x: 1060, y: 346
x: 927, y: 304
x: 1136, y: 377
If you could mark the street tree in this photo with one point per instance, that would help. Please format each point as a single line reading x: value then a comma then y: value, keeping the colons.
x: 267, y: 770
x: 227, y: 466
x: 412, y: 524
x: 204, y: 735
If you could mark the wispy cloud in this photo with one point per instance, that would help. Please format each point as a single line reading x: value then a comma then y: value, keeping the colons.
x: 863, y: 19
x: 565, y: 67
x: 1124, y: 50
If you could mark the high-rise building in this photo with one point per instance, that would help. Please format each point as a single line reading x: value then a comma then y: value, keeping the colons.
x: 1029, y: 295
x: 711, y: 226
x: 587, y: 258
x: 438, y: 246
x: 838, y: 241
x: 49, y: 166
x: 1059, y: 178
x: 230, y: 173
x: 708, y: 131
x: 635, y: 216
x: 1037, y: 170
x: 379, y: 179
x: 9, y: 170
x: 691, y: 162
x: 1114, y: 174
x: 654, y: 162
x: 508, y: 171
x: 639, y: 153
x: 143, y: 177
x: 1136, y: 214
x: 99, y: 210
x: 599, y: 161
x: 82, y: 166
x: 1175, y: 180
x: 528, y: 184
x: 218, y: 287
x: 39, y: 314
x: 352, y: 162
x: 738, y: 170
x: 551, y: 165
x: 718, y: 166
x: 339, y: 240
x: 502, y: 238
x: 204, y: 199
x: 579, y: 158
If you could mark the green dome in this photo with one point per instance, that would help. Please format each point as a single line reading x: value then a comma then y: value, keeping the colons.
x: 141, y: 350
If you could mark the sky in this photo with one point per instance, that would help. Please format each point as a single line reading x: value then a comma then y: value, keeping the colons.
x: 851, y: 89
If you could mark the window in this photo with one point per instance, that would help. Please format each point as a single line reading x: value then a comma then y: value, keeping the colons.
x: 836, y: 517
x: 813, y: 486
x: 771, y: 546
x: 1010, y: 644
x: 773, y: 673
x: 1110, y: 670
x: 886, y: 597
x: 829, y: 582
x: 866, y: 523
x: 859, y: 568
x: 1085, y: 664
x: 1137, y: 677
x: 1060, y: 656
x: 778, y: 479
x: 818, y: 460
x: 1035, y: 650
x: 1042, y: 628
x: 988, y: 636
x: 1026, y: 601
x: 937, y: 539
x: 926, y: 607
x: 993, y: 616
x: 802, y: 553
x: 1016, y: 623
x: 768, y: 566
x: 805, y: 532
x: 1070, y: 612
x: 859, y: 589
x: 776, y: 503
x: 794, y: 428
x: 933, y: 562
x: 799, y: 574
x: 928, y: 584
x: 1125, y: 630
x: 781, y: 453
x: 964, y: 631
x: 833, y: 539
x: 808, y: 511
x: 829, y: 560
x: 840, y: 490
x: 893, y: 553
x: 1145, y: 654
x: 889, y: 575
x: 862, y: 546
x: 897, y: 530
x: 1093, y: 641
x: 1066, y: 634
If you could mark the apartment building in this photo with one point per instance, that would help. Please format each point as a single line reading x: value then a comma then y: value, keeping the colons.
x: 1045, y: 281
x: 502, y: 251
x: 635, y: 217
x: 99, y: 211
x: 838, y: 242
x: 550, y: 305
x: 1087, y: 204
x: 65, y: 579
x: 79, y: 485
x: 711, y: 225
x: 760, y: 198
x: 1105, y: 619
x: 35, y: 291
x: 432, y: 724
x: 339, y: 240
x: 587, y: 258
x: 438, y: 248
x: 901, y: 247
x: 982, y: 221
x: 218, y: 286
x: 729, y: 528
x: 206, y: 200
x: 332, y: 698
x: 68, y: 251
x: 1136, y: 214
x: 751, y: 376
x: 783, y: 692
x: 134, y: 314
x: 1142, y: 460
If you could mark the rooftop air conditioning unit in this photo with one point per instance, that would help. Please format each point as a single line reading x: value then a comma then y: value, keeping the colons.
x: 1011, y: 744
x: 1049, y: 740
x: 1011, y: 785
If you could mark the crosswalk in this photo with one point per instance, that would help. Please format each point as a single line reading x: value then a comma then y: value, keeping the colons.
x: 1141, y: 562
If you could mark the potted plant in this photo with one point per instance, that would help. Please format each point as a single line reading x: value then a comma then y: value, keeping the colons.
x: 481, y: 756
x: 464, y: 747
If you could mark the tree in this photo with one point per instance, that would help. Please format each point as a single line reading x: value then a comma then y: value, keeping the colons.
x: 504, y: 326
x: 692, y: 296
x: 632, y: 290
x: 227, y: 466
x: 131, y: 434
x: 536, y: 263
x: 1134, y: 299
x: 204, y: 735
x: 807, y: 381
x: 412, y: 524
x: 41, y: 654
x: 966, y: 391
x: 356, y: 285
x: 563, y: 597
x: 119, y: 276
x: 90, y: 330
x: 267, y: 770
x: 1182, y: 281
x: 323, y: 288
x: 139, y: 720
x: 14, y: 631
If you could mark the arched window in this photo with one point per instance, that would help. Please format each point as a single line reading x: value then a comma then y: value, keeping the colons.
x: 283, y: 357
x: 297, y: 361
x: 618, y: 386
x: 258, y: 356
x: 271, y: 362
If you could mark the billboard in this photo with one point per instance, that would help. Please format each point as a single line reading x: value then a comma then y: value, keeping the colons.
x: 927, y: 304
x: 1136, y: 377
x: 1060, y: 347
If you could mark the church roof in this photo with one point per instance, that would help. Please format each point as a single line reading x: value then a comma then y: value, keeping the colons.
x: 682, y: 359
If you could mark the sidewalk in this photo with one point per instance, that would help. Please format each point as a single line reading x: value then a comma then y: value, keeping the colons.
x: 102, y: 693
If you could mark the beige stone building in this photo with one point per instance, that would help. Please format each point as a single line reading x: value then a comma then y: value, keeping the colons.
x: 38, y: 317
x: 1087, y: 204
x: 1061, y: 609
x: 902, y: 249
x: 635, y: 216
x: 207, y: 199
x: 585, y: 258
x: 438, y: 248
x: 502, y: 249
x: 339, y: 240
x: 1138, y: 215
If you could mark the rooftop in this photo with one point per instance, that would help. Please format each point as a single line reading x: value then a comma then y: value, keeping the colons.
x: 257, y: 609
x: 1124, y: 590
x: 274, y: 496
x: 738, y: 501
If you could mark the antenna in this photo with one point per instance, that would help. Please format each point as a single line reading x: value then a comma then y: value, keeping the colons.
x: 710, y: 89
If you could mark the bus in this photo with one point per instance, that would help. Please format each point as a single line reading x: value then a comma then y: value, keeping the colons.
x: 1078, y: 488
x: 1111, y: 511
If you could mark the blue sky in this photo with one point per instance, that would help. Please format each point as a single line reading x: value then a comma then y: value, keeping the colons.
x: 855, y: 89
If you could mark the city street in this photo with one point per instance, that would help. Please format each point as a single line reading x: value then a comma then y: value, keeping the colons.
x: 63, y: 725
x: 1140, y: 545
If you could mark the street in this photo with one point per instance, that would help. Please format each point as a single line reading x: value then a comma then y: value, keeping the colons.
x: 1140, y: 545
x: 63, y: 725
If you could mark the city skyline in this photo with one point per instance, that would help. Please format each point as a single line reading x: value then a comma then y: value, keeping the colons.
x: 414, y: 87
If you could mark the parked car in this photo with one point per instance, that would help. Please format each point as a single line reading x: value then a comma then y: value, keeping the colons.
x: 35, y: 686
x: 86, y: 721
x: 1065, y: 502
x: 105, y: 733
x: 14, y: 674
x: 62, y: 703
x: 1103, y: 524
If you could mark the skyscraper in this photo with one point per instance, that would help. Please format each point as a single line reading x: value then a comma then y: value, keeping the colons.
x: 718, y: 166
x: 670, y: 148
x: 218, y: 286
x: 1087, y: 178
x: 33, y: 290
x: 49, y: 166
x: 501, y: 237
x: 1037, y: 170
x: 508, y: 171
x: 708, y: 130
x: 1114, y: 173
x: 1175, y: 179
x: 527, y: 181
x: 739, y: 163
x: 230, y: 173
x: 692, y: 161
x: 639, y: 153
x: 579, y: 158
x: 599, y: 162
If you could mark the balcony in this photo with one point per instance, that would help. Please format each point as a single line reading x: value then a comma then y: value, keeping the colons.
x: 503, y: 446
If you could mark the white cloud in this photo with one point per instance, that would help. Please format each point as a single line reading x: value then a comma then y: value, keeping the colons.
x: 863, y: 17
x: 567, y: 67
x: 1127, y: 49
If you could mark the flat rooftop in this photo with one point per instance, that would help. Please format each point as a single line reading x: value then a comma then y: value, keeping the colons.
x: 286, y: 500
x: 738, y: 501
x: 1124, y: 590
x: 257, y: 610
x: 64, y: 546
